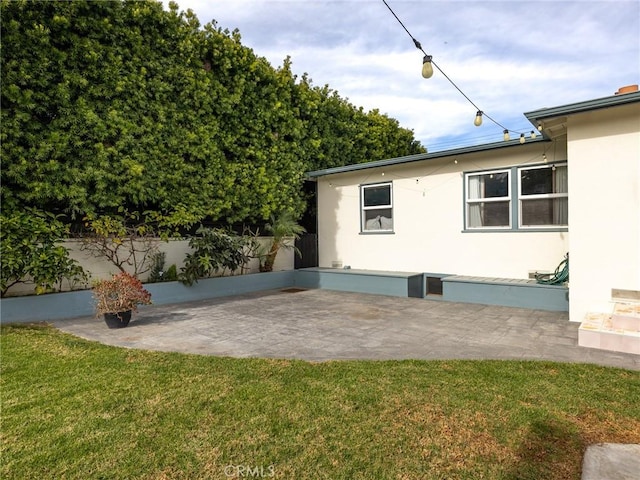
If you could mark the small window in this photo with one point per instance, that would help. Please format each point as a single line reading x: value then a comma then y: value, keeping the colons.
x: 543, y: 196
x: 377, y: 207
x: 488, y: 199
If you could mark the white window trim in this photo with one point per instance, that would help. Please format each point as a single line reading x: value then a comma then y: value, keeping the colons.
x: 376, y: 207
x: 524, y: 198
x: 469, y: 201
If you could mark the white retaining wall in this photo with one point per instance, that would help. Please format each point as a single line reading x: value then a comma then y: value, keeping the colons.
x: 175, y: 250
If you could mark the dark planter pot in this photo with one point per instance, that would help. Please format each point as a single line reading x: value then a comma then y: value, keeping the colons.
x: 117, y: 320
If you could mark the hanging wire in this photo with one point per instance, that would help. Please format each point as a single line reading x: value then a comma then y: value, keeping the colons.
x: 419, y: 47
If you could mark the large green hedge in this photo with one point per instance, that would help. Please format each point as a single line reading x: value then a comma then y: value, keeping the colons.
x: 121, y: 103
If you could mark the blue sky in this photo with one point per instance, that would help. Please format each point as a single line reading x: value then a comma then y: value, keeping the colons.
x: 508, y: 57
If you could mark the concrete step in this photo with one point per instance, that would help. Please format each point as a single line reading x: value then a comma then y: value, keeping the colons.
x: 626, y: 316
x: 611, y: 461
x: 597, y: 331
x: 621, y: 295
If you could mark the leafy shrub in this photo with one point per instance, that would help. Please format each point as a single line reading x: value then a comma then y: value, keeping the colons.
x: 158, y: 272
x: 32, y: 254
x: 129, y: 241
x: 171, y: 275
x: 216, y: 250
x: 120, y: 293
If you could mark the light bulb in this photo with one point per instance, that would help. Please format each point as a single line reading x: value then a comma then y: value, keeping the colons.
x: 539, y: 127
x: 522, y: 138
x: 506, y: 135
x: 427, y: 68
x: 533, y: 134
x: 478, y: 121
x: 544, y: 158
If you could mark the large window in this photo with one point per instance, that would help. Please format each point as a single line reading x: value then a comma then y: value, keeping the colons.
x: 543, y: 196
x: 517, y: 198
x: 488, y: 199
x: 377, y: 207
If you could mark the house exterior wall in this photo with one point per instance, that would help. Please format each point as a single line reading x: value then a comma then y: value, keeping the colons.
x: 428, y: 211
x: 604, y: 206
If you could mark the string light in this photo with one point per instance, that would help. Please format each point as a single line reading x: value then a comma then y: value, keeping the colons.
x: 427, y: 67
x: 478, y: 121
x: 427, y: 72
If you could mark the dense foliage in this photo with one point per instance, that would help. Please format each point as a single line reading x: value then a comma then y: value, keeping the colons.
x: 31, y: 252
x: 121, y: 103
x: 216, y: 251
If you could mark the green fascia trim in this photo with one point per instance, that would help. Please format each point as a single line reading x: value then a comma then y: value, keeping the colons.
x: 422, y: 157
x: 533, y: 117
x: 579, y: 107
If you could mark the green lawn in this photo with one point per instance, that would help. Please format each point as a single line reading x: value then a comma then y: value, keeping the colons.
x: 77, y: 409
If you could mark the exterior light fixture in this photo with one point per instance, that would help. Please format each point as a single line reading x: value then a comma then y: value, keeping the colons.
x: 539, y: 127
x: 533, y: 134
x: 478, y: 121
x: 427, y: 67
x: 506, y: 135
x: 522, y: 138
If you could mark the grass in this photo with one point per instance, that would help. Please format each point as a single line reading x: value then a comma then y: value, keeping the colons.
x: 78, y: 409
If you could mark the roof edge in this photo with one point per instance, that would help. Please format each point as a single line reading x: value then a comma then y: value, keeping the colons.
x: 420, y: 156
x: 578, y: 107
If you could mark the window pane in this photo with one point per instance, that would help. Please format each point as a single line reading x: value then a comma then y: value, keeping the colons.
x: 545, y: 211
x: 539, y: 181
x: 377, y: 196
x: 378, y: 219
x: 491, y: 214
x: 490, y: 185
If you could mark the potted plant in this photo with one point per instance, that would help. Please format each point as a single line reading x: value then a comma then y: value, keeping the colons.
x: 116, y: 298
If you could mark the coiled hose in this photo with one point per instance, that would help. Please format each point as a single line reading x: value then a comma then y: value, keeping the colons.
x: 561, y: 274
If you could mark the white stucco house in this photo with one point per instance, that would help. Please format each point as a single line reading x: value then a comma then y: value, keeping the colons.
x: 501, y: 210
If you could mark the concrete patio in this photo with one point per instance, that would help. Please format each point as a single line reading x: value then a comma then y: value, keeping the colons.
x: 322, y: 325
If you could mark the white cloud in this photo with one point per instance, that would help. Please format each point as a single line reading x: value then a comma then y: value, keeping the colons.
x: 508, y: 57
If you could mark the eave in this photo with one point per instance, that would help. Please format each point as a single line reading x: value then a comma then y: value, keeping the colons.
x: 420, y: 157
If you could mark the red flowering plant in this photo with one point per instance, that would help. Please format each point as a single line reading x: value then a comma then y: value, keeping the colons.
x: 121, y: 293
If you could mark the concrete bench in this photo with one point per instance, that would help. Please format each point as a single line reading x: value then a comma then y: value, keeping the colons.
x: 399, y: 284
x: 507, y: 292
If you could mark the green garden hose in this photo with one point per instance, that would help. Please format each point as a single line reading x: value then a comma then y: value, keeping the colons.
x: 561, y: 274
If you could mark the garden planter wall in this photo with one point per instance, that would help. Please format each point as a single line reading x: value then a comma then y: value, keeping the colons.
x: 52, y: 306
x: 56, y: 306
